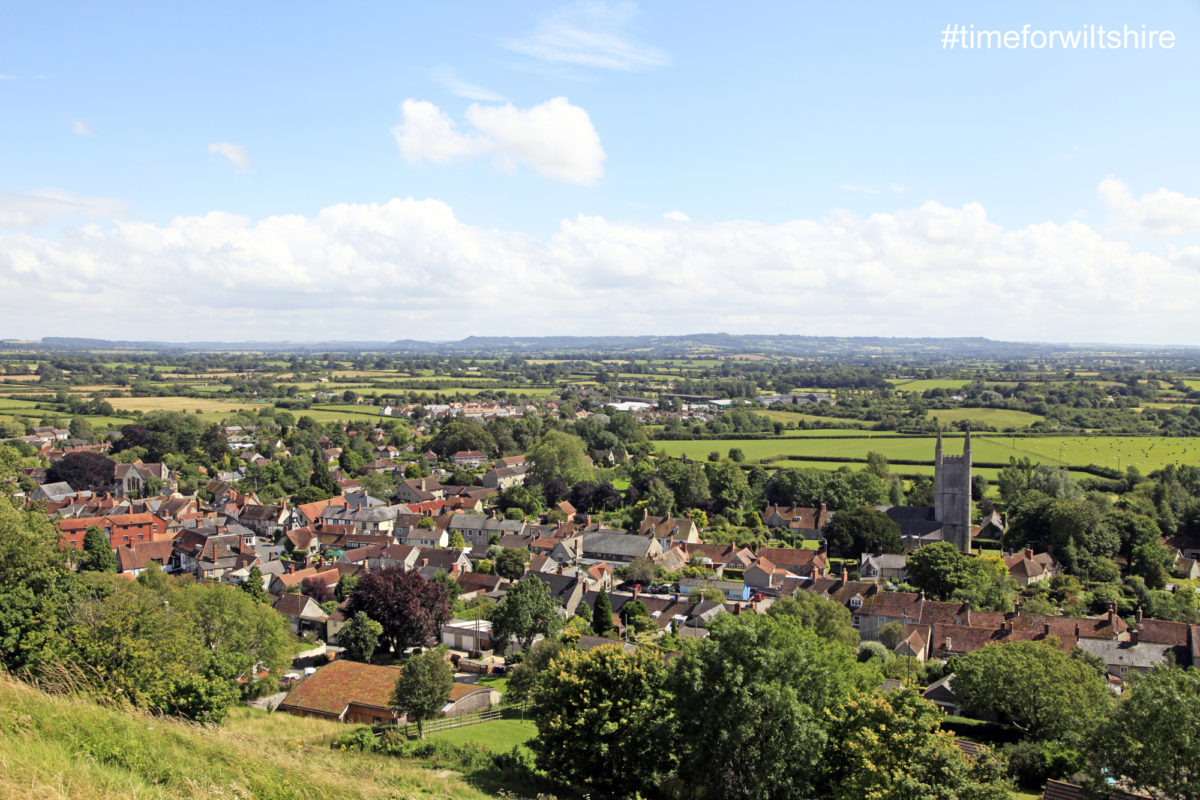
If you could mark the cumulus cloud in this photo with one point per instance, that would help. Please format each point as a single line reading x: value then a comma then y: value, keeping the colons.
x: 411, y: 269
x: 676, y: 216
x: 81, y: 128
x: 1160, y: 213
x: 590, y: 34
x: 235, y: 153
x: 36, y: 208
x: 555, y: 138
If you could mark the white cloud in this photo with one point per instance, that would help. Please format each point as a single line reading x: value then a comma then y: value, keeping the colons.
x: 1161, y: 213
x: 676, y: 216
x: 400, y: 269
x: 36, y: 208
x: 590, y: 34
x: 235, y: 153
x: 81, y: 128
x: 555, y: 138
x: 471, y: 91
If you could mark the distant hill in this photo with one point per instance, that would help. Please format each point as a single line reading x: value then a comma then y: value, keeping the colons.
x: 70, y: 748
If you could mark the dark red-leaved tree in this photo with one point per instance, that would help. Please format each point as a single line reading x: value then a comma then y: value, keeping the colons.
x: 317, y: 589
x: 86, y: 472
x: 411, y: 609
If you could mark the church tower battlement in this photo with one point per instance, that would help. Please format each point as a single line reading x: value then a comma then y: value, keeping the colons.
x: 952, y: 494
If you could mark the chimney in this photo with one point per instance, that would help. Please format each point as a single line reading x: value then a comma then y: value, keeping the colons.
x: 967, y: 605
x: 1139, y: 615
x: 637, y: 590
x: 1017, y: 608
x: 1029, y: 552
x: 845, y: 576
x: 1076, y: 630
x: 1046, y: 629
x: 1133, y: 636
x: 737, y: 608
x: 1112, y: 613
x: 645, y: 513
x: 946, y: 644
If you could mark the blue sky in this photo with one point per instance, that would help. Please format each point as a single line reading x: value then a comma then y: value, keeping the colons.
x: 402, y: 170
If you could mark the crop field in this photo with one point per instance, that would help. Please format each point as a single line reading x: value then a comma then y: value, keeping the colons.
x: 791, y: 416
x: 1119, y: 452
x: 188, y: 404
x: 925, y: 385
x: 996, y: 417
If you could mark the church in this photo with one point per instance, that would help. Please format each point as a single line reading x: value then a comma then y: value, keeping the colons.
x: 950, y: 518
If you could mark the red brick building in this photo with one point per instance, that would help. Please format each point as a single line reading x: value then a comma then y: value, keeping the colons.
x: 122, y: 529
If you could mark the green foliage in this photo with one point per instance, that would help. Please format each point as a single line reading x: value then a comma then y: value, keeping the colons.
x: 558, y: 455
x: 600, y: 716
x: 253, y: 585
x: 891, y: 747
x: 528, y: 609
x: 359, y: 637
x: 524, y: 677
x: 602, y: 614
x: 772, y: 738
x: 1070, y: 696
x: 861, y: 530
x: 1152, y: 738
x: 423, y: 688
x: 510, y: 562
x: 97, y: 556
x: 827, y: 618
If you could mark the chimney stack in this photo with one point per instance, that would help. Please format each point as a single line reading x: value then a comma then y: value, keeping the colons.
x: 1046, y: 629
x: 1029, y: 552
x: 1133, y: 635
x: 845, y: 576
x: 1139, y: 615
x: 1017, y: 608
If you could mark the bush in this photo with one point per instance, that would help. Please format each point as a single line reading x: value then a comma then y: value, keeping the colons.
x: 361, y: 740
x: 1034, y: 763
x: 873, y: 651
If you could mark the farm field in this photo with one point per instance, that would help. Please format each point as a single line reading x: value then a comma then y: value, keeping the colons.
x: 924, y: 385
x: 790, y: 416
x: 188, y: 404
x: 1145, y: 452
x: 996, y: 417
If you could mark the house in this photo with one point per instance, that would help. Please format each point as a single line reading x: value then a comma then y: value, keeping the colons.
x: 797, y: 518
x: 281, y: 583
x: 887, y: 567
x: 941, y: 694
x: 468, y: 458
x: 682, y: 529
x: 431, y: 561
x: 416, y: 490
x: 309, y: 514
x: 503, y: 477
x: 133, y: 559
x: 718, y: 557
x: 567, y: 591
x: 394, y: 555
x: 131, y: 479
x: 1133, y: 655
x: 477, y: 529
x: 303, y: 613
x: 434, y: 536
x: 764, y: 575
x: 1061, y: 790
x: 53, y: 492
x: 121, y: 529
x: 804, y: 562
x: 1028, y: 568
x: 210, y: 552
x: 617, y: 546
x: 733, y: 590
x: 264, y: 520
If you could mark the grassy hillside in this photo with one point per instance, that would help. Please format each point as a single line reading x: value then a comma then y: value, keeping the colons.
x: 59, y: 747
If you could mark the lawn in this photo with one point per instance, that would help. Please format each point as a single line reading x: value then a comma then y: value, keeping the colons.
x: 499, y: 735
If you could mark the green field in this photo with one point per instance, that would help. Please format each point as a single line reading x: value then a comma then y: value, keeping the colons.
x: 996, y: 417
x: 499, y: 735
x: 926, y: 384
x: 1145, y: 452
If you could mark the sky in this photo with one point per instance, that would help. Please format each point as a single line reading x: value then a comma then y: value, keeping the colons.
x: 400, y: 170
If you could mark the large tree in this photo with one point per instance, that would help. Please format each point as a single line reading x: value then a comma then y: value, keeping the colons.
x: 359, y: 637
x: 558, y: 455
x: 1152, y: 738
x: 510, y: 562
x: 97, y: 555
x: 891, y: 747
x: 84, y: 471
x: 861, y: 530
x: 1033, y: 685
x: 527, y: 610
x: 411, y: 609
x: 601, y: 718
x: 423, y: 688
x: 773, y: 681
x: 828, y: 618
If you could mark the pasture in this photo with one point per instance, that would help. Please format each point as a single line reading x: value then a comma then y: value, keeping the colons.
x: 995, y: 417
x: 924, y: 385
x: 1147, y: 453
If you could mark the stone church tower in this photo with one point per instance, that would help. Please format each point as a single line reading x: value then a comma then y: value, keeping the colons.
x: 952, y: 494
